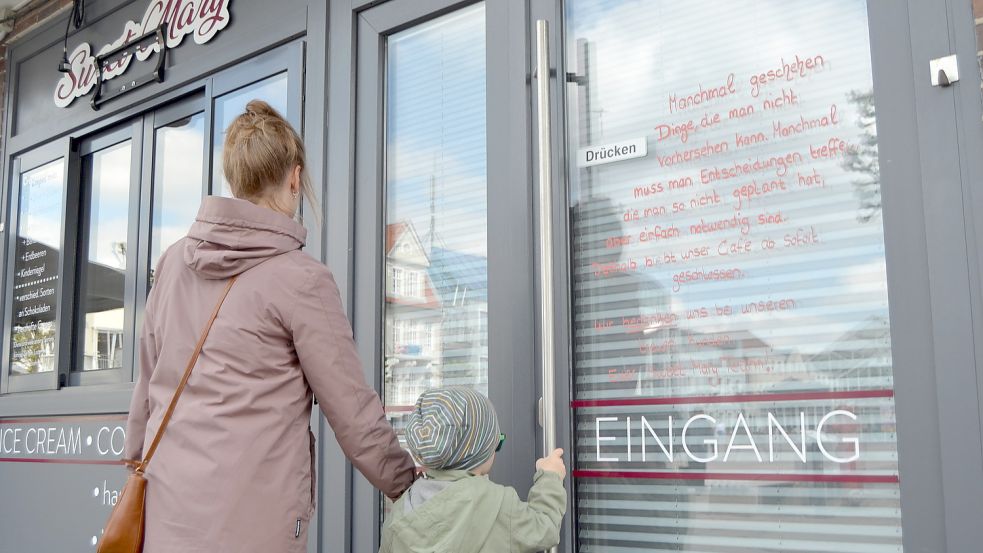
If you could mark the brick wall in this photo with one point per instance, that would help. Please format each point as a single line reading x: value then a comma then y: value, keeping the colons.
x: 27, y: 19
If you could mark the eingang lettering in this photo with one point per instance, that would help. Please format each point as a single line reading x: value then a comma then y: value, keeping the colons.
x: 771, y: 439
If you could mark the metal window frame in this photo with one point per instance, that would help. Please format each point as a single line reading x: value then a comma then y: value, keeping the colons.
x: 87, y: 147
x: 24, y: 163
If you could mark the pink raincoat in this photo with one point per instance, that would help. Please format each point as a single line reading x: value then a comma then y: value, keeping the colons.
x: 234, y: 471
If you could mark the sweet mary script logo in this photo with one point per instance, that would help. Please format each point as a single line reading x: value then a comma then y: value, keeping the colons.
x: 202, y: 19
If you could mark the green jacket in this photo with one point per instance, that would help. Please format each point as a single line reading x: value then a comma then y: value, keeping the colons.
x: 458, y: 512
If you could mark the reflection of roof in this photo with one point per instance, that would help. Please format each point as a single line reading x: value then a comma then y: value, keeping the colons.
x: 105, y: 287
x: 871, y: 335
x: 104, y: 284
x: 454, y: 272
x: 393, y: 232
x: 429, y: 300
x: 748, y: 340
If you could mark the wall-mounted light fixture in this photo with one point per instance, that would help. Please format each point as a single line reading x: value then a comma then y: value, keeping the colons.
x: 76, y: 18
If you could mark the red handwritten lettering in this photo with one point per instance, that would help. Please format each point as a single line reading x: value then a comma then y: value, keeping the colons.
x: 788, y: 71
x: 702, y: 95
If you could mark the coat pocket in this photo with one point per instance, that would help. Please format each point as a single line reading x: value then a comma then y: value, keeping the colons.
x: 313, y: 502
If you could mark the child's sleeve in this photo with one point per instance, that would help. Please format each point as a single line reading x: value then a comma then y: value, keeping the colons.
x: 535, y: 525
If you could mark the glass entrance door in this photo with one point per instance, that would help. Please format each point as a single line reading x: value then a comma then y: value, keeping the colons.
x: 441, y: 248
x: 732, y: 372
x: 726, y: 348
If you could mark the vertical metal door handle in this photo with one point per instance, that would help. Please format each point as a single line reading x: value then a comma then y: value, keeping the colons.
x: 547, y: 404
x: 546, y: 236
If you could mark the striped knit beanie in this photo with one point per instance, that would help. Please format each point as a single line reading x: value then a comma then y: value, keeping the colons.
x: 452, y: 428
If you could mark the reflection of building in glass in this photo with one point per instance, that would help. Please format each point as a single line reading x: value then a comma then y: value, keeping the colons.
x: 858, y: 360
x: 102, y: 337
x: 103, y: 347
x: 412, y: 318
x: 461, y: 284
x: 436, y: 318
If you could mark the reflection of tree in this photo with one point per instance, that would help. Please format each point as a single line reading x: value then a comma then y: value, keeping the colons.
x: 863, y: 159
x: 33, y: 347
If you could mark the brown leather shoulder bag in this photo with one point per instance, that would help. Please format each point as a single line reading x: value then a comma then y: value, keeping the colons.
x: 124, y: 529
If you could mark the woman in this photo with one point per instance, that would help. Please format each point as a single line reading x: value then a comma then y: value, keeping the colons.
x: 234, y: 471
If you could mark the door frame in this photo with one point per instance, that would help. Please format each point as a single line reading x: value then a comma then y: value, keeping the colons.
x: 511, y: 307
x: 933, y: 337
x: 931, y: 167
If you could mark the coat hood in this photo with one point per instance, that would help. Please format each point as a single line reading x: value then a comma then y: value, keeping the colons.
x: 230, y: 236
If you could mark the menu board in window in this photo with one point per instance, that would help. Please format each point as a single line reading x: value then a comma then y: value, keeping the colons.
x: 733, y: 371
x: 35, y: 270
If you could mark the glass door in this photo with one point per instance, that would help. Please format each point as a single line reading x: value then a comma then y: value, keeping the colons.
x: 730, y: 347
x: 441, y: 243
x: 436, y: 251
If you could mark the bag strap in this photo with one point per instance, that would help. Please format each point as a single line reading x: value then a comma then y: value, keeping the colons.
x: 184, y: 380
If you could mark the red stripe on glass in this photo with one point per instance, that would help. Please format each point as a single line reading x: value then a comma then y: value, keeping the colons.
x: 747, y: 476
x: 83, y: 418
x: 59, y: 461
x: 737, y: 398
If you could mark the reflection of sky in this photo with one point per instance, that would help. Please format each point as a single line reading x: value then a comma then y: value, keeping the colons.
x: 435, y: 152
x: 110, y: 183
x: 644, y: 51
x: 41, y: 204
x: 231, y: 105
x: 436, y: 130
x: 179, y: 159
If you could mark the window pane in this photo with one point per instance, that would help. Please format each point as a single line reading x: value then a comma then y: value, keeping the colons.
x: 38, y: 251
x: 107, y: 177
x: 231, y: 105
x: 730, y: 299
x: 436, y: 254
x: 178, y: 165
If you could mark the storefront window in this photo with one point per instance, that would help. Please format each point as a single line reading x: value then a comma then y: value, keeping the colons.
x: 33, y: 340
x: 229, y: 106
x: 178, y: 172
x: 732, y: 353
x: 106, y: 178
x: 436, y: 288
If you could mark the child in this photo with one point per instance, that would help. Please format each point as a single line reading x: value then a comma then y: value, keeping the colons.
x: 455, y: 508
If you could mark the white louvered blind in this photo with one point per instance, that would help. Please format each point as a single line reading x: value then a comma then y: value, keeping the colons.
x: 732, y: 360
x: 436, y: 280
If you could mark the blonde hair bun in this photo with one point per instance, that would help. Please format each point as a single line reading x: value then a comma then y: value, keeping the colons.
x: 261, y: 149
